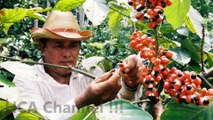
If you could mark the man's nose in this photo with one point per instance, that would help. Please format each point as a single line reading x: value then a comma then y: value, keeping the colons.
x: 67, y: 53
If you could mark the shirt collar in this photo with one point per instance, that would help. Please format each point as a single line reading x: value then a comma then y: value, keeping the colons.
x: 43, y: 72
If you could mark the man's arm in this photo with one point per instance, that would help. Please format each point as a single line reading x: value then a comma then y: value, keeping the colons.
x: 130, y: 78
x: 32, y: 98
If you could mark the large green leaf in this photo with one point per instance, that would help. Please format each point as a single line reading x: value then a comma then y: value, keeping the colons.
x: 67, y: 5
x: 6, y: 81
x: 96, y: 11
x: 11, y: 16
x: 6, y: 108
x: 83, y: 112
x: 8, y: 91
x: 194, y: 21
x: 35, y: 13
x: 176, y: 111
x: 115, y: 23
x: 209, y: 60
x: 29, y: 115
x: 167, y: 44
x: 181, y: 56
x: 176, y: 13
x: 192, y: 49
x: 121, y: 110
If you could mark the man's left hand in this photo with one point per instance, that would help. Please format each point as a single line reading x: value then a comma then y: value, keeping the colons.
x: 129, y: 70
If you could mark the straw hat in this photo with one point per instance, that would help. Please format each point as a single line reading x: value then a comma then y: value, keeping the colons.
x: 60, y: 25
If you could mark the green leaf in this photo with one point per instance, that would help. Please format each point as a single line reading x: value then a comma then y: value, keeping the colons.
x: 3, y: 40
x: 209, y: 60
x: 122, y: 110
x: 176, y: 13
x: 6, y: 108
x: 194, y: 21
x: 6, y: 27
x: 192, y: 49
x: 83, y: 112
x: 183, y: 31
x: 67, y: 5
x: 166, y: 28
x: 166, y: 43
x: 29, y: 115
x: 96, y: 10
x: 181, y: 56
x: 6, y: 81
x: 105, y: 64
x: 97, y: 45
x: 35, y: 13
x: 115, y: 23
x: 176, y: 111
x: 11, y: 16
x: 37, y: 10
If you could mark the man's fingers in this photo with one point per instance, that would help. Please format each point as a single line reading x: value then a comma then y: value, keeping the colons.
x: 111, y: 83
x: 105, y: 76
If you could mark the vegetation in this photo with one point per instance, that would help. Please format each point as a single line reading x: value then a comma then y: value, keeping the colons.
x: 187, y: 32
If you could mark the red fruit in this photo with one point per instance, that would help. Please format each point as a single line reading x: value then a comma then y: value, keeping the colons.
x: 169, y: 54
x: 197, y: 81
x: 152, y: 24
x: 166, y: 85
x: 164, y: 60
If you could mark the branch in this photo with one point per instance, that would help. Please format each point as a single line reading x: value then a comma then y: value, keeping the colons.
x: 156, y: 41
x: 201, y: 48
x: 140, y: 101
x: 205, y: 75
x: 52, y: 65
x: 158, y: 110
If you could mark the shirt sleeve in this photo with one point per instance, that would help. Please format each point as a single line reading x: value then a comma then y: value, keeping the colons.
x: 128, y: 93
x: 32, y: 99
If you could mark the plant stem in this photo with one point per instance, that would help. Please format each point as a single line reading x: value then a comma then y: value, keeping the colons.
x: 156, y: 48
x: 201, y: 48
x: 119, y: 12
x: 156, y: 42
x: 52, y: 65
x: 140, y: 101
x: 94, y: 109
x: 205, y: 75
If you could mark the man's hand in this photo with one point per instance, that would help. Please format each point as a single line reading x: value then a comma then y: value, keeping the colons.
x: 129, y: 70
x: 100, y: 90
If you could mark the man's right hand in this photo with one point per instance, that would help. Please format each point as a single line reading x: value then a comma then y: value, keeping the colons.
x: 100, y: 90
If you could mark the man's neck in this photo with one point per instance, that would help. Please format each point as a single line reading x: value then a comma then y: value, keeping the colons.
x: 63, y: 79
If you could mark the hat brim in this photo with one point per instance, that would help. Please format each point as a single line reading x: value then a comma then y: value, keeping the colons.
x: 65, y: 34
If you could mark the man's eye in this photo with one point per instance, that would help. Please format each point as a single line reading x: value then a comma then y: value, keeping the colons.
x: 74, y: 45
x: 59, y: 46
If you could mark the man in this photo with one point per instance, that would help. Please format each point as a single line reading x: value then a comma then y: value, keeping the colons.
x: 49, y: 87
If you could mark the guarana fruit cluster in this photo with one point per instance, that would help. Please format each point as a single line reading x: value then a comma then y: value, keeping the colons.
x: 184, y: 86
x: 151, y: 10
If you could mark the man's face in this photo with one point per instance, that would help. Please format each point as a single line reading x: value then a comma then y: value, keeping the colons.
x: 60, y: 52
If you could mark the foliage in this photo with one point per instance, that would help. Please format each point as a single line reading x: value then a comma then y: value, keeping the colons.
x: 121, y: 109
x: 187, y: 112
x: 83, y: 112
x: 179, y: 33
x: 6, y: 108
x: 66, y: 5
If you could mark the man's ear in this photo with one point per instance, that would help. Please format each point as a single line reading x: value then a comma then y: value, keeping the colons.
x: 41, y: 46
